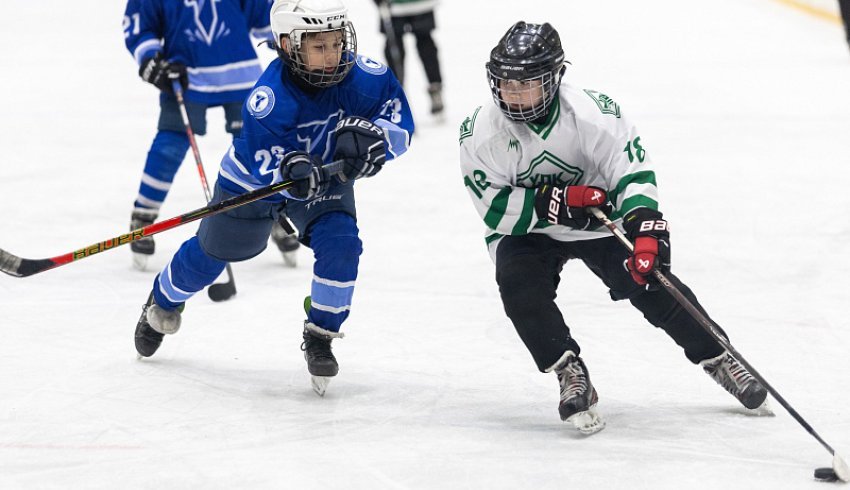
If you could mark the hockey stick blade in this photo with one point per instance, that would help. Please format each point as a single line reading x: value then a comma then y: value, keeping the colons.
x: 223, y: 291
x: 842, y: 471
x: 20, y: 267
x: 838, y: 472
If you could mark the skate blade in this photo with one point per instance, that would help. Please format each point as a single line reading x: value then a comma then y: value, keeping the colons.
x: 140, y: 261
x: 587, y: 422
x: 290, y: 259
x: 763, y: 410
x: 320, y: 384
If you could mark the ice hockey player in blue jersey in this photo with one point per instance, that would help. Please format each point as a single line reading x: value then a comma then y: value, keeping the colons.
x: 208, y: 46
x: 319, y: 102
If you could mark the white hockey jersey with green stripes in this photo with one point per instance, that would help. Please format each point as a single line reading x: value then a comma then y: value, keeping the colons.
x: 585, y: 140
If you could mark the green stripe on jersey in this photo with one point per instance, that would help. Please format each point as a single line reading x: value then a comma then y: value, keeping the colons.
x: 524, y: 223
x: 637, y: 202
x: 492, y: 238
x: 642, y: 177
x: 498, y: 208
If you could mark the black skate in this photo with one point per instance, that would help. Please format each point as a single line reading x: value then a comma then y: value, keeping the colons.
x: 578, y: 396
x: 321, y: 362
x: 144, y: 248
x: 287, y: 243
x: 435, y: 91
x: 152, y: 326
x: 734, y: 378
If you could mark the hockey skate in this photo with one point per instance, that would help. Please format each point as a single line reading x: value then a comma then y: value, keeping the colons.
x: 321, y: 362
x: 153, y: 325
x: 578, y: 396
x: 734, y: 378
x: 435, y: 92
x: 287, y: 243
x: 144, y: 248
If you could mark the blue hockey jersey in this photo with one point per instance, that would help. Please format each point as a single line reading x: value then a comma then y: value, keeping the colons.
x: 211, y: 37
x: 279, y: 118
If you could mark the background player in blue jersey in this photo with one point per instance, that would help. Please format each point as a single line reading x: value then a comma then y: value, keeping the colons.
x: 319, y: 102
x: 208, y: 46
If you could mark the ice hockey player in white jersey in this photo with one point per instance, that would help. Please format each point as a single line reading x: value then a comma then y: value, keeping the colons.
x: 533, y: 163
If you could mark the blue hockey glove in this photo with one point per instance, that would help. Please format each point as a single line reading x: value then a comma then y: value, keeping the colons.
x: 360, y: 145
x: 159, y: 73
x: 306, y: 173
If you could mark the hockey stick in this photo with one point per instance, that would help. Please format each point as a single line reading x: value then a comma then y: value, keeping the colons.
x: 21, y: 267
x: 839, y: 470
x: 226, y: 290
x: 392, y: 40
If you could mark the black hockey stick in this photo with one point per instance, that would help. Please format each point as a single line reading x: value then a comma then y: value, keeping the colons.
x: 20, y: 267
x: 839, y: 470
x: 225, y: 290
x: 393, y: 41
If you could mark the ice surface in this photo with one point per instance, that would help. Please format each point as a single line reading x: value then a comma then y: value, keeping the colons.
x: 744, y: 106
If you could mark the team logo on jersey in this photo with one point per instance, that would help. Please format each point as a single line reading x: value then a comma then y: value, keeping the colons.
x: 312, y: 134
x: 371, y: 66
x: 468, y: 125
x: 208, y: 27
x: 261, y: 102
x: 606, y: 104
x: 546, y: 168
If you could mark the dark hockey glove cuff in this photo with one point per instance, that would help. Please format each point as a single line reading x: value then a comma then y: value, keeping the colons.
x: 567, y: 205
x: 306, y: 173
x: 649, y: 233
x: 361, y: 146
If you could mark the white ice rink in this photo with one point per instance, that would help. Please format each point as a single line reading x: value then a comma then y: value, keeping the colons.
x: 745, y: 106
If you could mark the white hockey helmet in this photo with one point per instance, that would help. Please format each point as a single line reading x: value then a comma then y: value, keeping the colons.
x: 297, y: 18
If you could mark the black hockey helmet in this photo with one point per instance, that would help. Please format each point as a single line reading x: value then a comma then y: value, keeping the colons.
x: 525, y: 54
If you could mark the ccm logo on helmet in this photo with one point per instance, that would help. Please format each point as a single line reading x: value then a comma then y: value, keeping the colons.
x: 328, y: 20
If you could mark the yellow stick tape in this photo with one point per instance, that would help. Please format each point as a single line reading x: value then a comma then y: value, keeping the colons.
x: 812, y: 10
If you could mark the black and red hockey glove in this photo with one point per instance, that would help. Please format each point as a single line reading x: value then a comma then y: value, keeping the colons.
x: 567, y: 205
x: 360, y: 145
x: 651, y: 237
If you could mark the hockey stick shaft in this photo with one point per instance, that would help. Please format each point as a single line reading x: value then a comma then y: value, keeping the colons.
x: 711, y: 328
x: 199, y: 164
x: 178, y: 93
x: 21, y: 267
x: 392, y: 39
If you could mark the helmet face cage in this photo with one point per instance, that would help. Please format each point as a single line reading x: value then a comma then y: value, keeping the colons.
x: 329, y: 75
x: 525, y: 70
x: 524, y: 99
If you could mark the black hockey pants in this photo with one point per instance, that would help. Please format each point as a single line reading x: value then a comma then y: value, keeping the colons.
x: 420, y: 26
x: 528, y: 271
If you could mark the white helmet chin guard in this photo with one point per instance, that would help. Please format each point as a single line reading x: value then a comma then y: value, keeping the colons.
x: 297, y: 18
